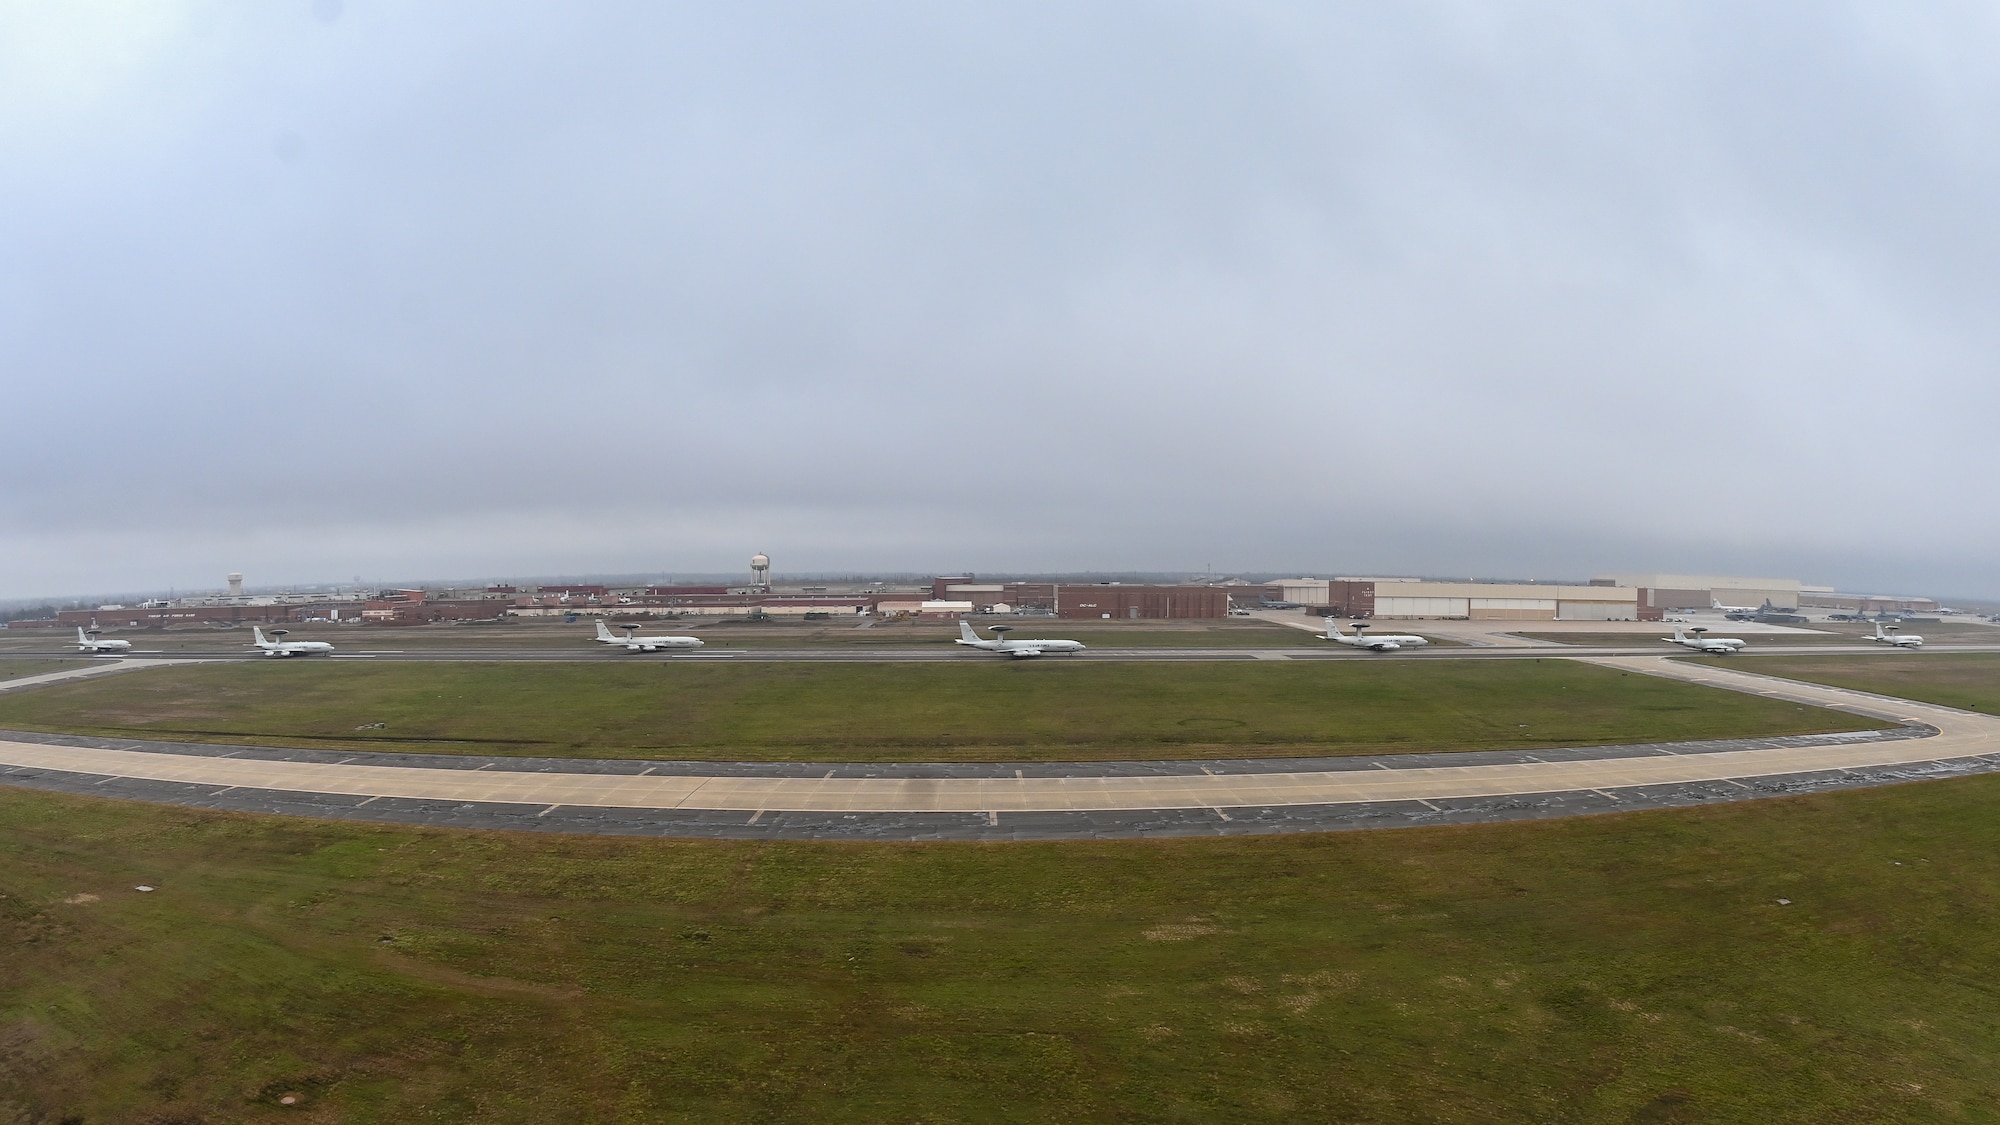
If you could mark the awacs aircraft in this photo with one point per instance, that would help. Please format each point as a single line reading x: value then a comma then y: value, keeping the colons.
x: 1380, y: 642
x: 288, y: 648
x: 90, y: 643
x: 1721, y: 646
x: 635, y: 643
x: 966, y: 636
x: 1892, y: 637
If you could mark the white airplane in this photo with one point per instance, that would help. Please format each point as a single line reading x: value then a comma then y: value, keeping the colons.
x: 90, y: 643
x: 1380, y: 642
x: 1721, y: 646
x: 1001, y: 644
x: 287, y: 648
x: 1716, y: 603
x: 635, y: 643
x: 1892, y: 637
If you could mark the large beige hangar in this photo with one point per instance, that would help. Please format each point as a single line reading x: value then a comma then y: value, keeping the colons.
x: 1700, y: 591
x: 1496, y: 601
x: 1412, y: 598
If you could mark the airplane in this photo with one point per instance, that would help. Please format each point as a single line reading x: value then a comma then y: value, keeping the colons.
x: 1721, y: 646
x: 1024, y: 649
x: 287, y: 648
x: 1748, y: 613
x: 1380, y: 642
x: 635, y: 643
x: 1892, y: 637
x: 92, y: 644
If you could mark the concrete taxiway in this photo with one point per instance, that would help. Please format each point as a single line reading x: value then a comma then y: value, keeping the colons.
x: 1039, y: 800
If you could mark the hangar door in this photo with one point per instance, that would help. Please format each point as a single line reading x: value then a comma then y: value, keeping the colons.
x: 1513, y: 609
x: 1597, y: 611
x: 1420, y: 607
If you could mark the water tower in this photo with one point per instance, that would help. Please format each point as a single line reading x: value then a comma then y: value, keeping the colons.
x: 760, y: 570
x: 235, y: 585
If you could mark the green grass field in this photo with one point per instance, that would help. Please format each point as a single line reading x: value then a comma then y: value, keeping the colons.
x: 1637, y: 968
x: 1818, y: 633
x: 982, y: 710
x: 1970, y: 680
x: 19, y: 669
x: 1934, y: 632
x: 1653, y: 640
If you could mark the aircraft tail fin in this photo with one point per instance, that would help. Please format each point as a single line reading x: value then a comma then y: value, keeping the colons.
x: 604, y: 631
x: 80, y: 638
x: 965, y: 632
x: 257, y: 634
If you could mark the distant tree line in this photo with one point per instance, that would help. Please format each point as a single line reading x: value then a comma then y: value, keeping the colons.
x: 33, y: 612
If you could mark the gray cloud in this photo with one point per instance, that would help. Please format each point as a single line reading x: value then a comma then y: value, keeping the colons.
x: 325, y: 289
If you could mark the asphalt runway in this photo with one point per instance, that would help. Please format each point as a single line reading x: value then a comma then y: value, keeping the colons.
x: 1029, y: 800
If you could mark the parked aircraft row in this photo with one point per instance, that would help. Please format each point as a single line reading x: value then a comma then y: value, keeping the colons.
x: 89, y: 640
x: 275, y: 645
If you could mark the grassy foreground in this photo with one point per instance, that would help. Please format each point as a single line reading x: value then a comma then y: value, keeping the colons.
x: 1636, y: 968
x: 18, y: 669
x: 1969, y: 680
x: 978, y: 710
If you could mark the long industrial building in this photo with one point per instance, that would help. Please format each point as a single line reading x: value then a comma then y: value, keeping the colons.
x: 1118, y: 601
x: 1701, y: 591
x: 1479, y: 601
x: 1619, y: 597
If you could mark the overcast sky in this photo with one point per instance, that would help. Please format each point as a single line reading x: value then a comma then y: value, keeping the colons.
x: 313, y: 289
